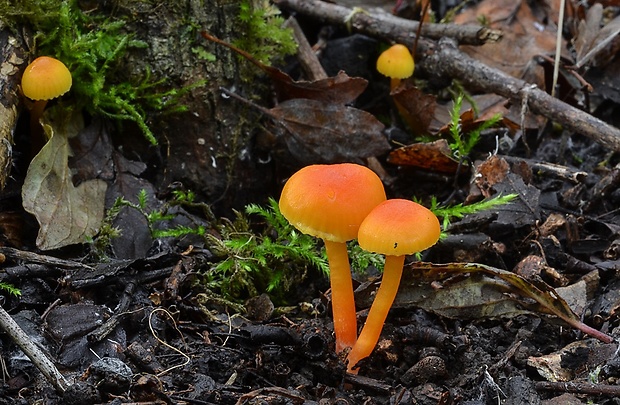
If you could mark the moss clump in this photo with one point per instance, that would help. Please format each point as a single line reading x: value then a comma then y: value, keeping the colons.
x: 92, y: 47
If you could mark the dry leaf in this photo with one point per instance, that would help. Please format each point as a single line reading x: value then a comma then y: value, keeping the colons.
x: 327, y: 132
x: 66, y: 214
x: 433, y: 156
x: 471, y: 290
x: 415, y: 107
x: 526, y: 34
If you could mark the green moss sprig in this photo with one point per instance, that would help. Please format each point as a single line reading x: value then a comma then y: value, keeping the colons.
x: 271, y: 261
x: 463, y: 143
x: 266, y: 38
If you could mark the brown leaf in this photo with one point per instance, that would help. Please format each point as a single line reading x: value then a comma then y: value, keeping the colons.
x: 340, y: 89
x: 327, y: 132
x: 433, y: 156
x: 415, y: 107
x: 527, y: 33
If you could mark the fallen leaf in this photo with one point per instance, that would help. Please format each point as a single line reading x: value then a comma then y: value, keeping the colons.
x: 415, y: 107
x: 434, y: 156
x: 471, y: 290
x: 327, y: 132
x: 575, y: 359
x: 594, y: 44
x: 526, y: 34
x: 66, y: 214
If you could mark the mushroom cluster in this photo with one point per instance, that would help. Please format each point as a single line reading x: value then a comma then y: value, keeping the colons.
x: 347, y: 201
x: 330, y: 202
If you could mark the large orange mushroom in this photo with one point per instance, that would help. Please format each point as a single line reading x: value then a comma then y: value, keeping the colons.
x: 394, y: 228
x: 330, y: 202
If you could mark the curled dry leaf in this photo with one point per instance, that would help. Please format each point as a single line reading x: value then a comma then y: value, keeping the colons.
x: 66, y: 214
x: 415, y: 107
x: 470, y: 290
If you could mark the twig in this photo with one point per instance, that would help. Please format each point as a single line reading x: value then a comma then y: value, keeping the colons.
x: 559, y: 171
x: 47, y: 368
x: 386, y: 25
x: 306, y: 57
x: 579, y: 388
x: 30, y: 257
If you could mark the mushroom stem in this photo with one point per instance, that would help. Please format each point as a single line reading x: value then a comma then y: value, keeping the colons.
x: 394, y: 82
x: 378, y: 311
x: 343, y: 303
x: 37, y: 138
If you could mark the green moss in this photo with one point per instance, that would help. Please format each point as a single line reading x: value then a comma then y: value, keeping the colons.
x: 265, y: 37
x: 92, y: 47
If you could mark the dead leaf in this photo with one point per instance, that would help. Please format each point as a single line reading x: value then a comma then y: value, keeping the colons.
x: 66, y: 214
x: 471, y: 290
x: 327, y: 132
x: 593, y: 43
x: 340, y: 89
x: 433, y: 156
x: 526, y: 33
x: 495, y: 177
x: 415, y: 107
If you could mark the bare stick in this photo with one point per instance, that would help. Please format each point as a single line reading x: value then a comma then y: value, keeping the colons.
x: 47, y: 368
x: 386, y: 25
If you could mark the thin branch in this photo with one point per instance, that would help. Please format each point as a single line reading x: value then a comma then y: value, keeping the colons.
x: 40, y: 360
x: 386, y: 25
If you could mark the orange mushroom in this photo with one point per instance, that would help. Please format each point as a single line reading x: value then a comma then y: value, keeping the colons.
x: 44, y: 79
x: 394, y: 228
x: 396, y: 63
x: 330, y: 202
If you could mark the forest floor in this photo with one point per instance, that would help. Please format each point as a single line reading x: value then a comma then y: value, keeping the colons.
x: 496, y: 312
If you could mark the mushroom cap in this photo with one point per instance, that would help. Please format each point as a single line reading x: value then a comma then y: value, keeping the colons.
x: 46, y: 78
x: 399, y: 227
x: 331, y: 201
x: 396, y: 62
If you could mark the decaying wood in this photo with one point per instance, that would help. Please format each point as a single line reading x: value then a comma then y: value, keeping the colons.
x: 14, y: 59
x: 386, y: 25
x: 445, y: 60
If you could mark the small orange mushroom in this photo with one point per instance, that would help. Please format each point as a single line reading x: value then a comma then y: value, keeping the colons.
x: 330, y: 202
x: 396, y: 63
x: 394, y: 228
x: 44, y: 79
